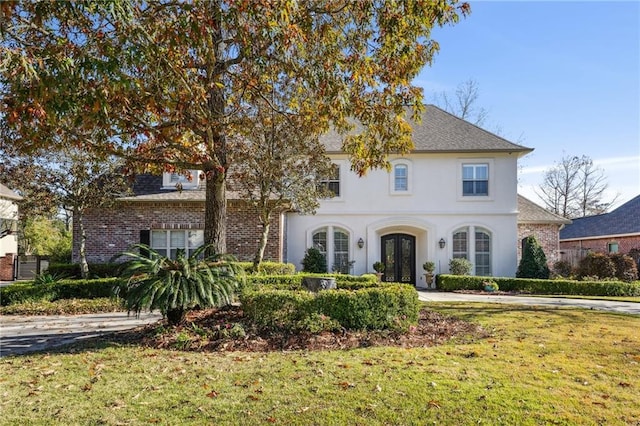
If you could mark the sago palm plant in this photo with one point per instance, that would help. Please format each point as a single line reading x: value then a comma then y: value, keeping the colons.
x: 175, y: 286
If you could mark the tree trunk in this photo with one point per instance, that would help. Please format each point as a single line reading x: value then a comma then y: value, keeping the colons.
x: 215, y: 214
x: 84, y: 266
x: 176, y: 316
x: 263, y: 243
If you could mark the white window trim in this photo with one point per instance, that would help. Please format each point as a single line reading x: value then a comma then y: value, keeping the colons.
x: 186, y: 184
x: 392, y: 177
x: 475, y: 161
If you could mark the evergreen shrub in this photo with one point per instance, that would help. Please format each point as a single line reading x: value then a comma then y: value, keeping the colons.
x: 63, y: 289
x: 314, y: 261
x: 597, y: 265
x: 392, y: 307
x: 533, y: 263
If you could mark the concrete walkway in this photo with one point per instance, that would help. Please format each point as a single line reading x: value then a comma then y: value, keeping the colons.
x: 557, y: 302
x: 22, y: 334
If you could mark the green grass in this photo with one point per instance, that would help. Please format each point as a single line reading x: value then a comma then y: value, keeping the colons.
x: 541, y: 366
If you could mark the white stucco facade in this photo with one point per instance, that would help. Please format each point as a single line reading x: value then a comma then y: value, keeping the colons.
x: 8, y: 211
x: 430, y: 207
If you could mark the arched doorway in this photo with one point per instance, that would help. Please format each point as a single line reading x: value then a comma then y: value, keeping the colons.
x: 399, y: 258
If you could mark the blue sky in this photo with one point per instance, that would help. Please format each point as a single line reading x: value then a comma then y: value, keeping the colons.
x: 560, y: 77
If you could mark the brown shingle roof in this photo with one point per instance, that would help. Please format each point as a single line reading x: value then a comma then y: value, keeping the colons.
x: 530, y: 212
x: 440, y: 131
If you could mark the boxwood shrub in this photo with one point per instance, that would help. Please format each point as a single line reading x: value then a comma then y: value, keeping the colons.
x: 96, y: 270
x: 537, y: 286
x: 375, y: 308
x: 269, y: 268
x: 63, y: 289
x: 294, y: 282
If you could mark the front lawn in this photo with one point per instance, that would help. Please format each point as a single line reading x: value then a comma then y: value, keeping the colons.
x: 539, y: 366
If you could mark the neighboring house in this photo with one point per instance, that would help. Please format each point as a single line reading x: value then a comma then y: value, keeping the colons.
x: 615, y: 232
x: 8, y: 233
x: 544, y: 225
x: 453, y: 196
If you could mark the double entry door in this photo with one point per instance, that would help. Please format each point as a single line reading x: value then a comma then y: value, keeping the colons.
x: 399, y: 258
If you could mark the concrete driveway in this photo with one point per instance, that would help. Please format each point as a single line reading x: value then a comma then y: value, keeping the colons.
x: 22, y: 334
x: 557, y: 302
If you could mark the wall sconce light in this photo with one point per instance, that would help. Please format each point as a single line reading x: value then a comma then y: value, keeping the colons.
x: 360, y: 243
x: 441, y: 243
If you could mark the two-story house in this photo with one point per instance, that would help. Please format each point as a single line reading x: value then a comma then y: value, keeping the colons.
x: 8, y: 234
x: 453, y: 196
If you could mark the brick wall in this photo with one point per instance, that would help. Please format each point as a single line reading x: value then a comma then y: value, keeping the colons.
x: 600, y: 245
x: 547, y: 236
x: 111, y: 231
x: 6, y: 267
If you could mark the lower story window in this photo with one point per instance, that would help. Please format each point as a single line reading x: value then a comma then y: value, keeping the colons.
x: 612, y: 247
x: 477, y: 250
x: 333, y: 243
x: 168, y: 242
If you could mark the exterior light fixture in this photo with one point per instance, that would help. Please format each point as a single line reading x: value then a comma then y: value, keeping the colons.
x: 360, y: 243
x: 442, y: 243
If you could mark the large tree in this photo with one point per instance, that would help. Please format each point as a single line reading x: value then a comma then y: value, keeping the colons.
x: 169, y: 82
x: 575, y: 187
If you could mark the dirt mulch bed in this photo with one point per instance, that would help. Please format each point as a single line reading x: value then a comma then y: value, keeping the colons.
x: 208, y: 331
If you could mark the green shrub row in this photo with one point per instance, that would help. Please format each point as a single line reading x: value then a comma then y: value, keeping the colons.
x: 392, y: 307
x: 269, y: 268
x: 294, y: 282
x: 63, y: 289
x: 537, y: 286
x: 72, y: 270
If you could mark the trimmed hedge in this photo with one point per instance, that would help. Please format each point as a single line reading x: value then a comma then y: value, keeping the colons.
x: 294, y: 282
x: 96, y: 270
x: 393, y: 307
x: 63, y: 289
x: 537, y: 286
x: 269, y: 268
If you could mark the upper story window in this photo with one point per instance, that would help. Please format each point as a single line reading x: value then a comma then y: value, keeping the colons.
x: 475, y: 179
x: 401, y: 177
x: 612, y: 247
x: 186, y: 181
x: 332, y: 183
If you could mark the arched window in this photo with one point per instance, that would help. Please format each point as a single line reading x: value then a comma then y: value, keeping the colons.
x: 401, y: 177
x: 460, y: 244
x: 478, y: 250
x: 483, y: 252
x: 334, y: 243
x: 320, y: 241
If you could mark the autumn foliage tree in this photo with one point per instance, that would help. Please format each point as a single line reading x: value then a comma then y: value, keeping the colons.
x: 168, y: 83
